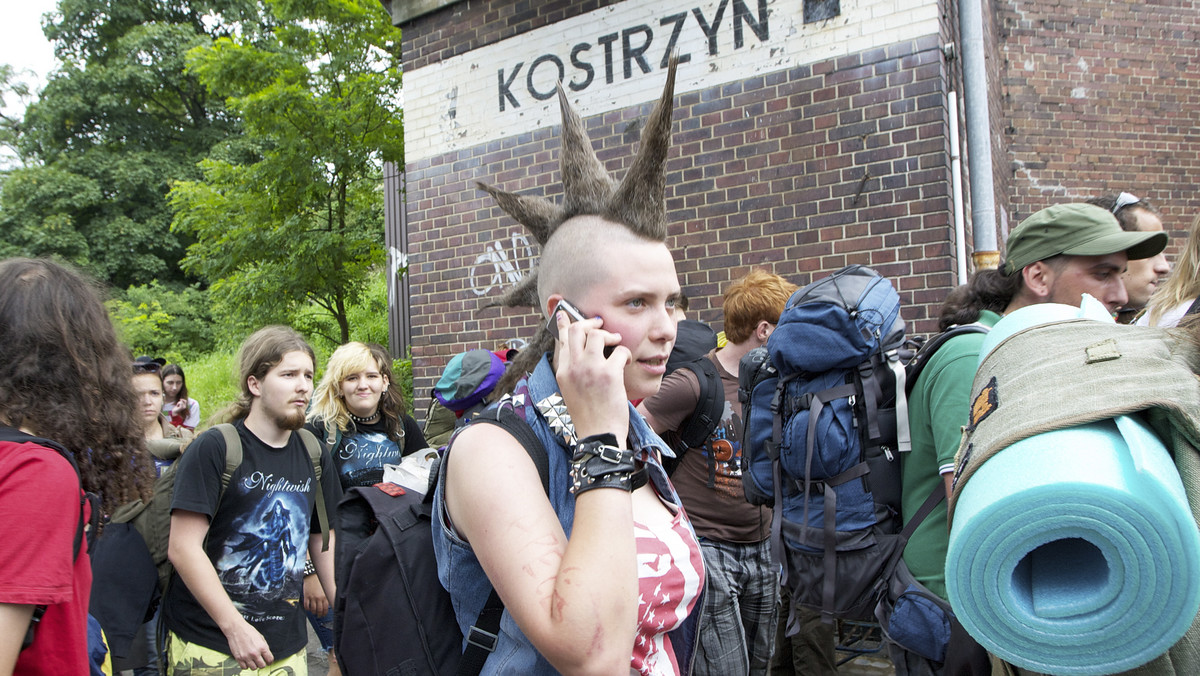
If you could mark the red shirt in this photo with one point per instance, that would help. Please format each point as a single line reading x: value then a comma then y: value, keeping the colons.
x: 670, y: 577
x: 39, y: 518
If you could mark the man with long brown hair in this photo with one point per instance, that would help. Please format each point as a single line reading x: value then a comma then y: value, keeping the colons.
x: 68, y: 419
x: 238, y: 545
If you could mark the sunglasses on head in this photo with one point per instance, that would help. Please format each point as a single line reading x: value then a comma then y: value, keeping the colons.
x: 1124, y: 200
x: 146, y: 367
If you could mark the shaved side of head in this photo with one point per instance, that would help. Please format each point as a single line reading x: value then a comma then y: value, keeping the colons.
x: 573, y: 261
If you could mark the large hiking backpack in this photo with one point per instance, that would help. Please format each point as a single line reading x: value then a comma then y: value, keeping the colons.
x: 392, y: 615
x: 823, y: 432
x: 152, y: 519
x: 693, y: 341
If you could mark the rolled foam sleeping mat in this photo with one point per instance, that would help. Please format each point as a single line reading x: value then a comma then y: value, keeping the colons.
x: 1074, y: 551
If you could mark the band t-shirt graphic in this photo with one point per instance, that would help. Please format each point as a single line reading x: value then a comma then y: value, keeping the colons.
x: 365, y: 448
x: 257, y: 539
x: 361, y: 455
x: 719, y: 513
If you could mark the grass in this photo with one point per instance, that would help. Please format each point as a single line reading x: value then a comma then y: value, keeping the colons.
x: 212, y: 381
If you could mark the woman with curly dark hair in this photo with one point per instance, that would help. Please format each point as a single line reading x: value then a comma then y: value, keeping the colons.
x: 64, y: 381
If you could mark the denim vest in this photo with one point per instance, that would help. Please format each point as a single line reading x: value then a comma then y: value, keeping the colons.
x: 469, y: 587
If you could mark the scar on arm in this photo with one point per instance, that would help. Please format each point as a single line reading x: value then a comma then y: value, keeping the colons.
x: 597, y: 641
x: 551, y: 600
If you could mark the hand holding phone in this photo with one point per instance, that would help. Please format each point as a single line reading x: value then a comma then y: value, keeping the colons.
x: 569, y: 309
x: 575, y: 315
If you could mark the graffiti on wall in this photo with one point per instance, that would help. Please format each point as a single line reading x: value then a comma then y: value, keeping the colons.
x: 502, y: 263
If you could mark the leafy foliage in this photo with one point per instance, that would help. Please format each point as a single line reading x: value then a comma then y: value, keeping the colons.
x: 116, y: 123
x: 13, y: 88
x: 297, y: 218
x: 161, y: 321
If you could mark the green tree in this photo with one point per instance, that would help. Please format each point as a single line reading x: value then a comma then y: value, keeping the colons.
x: 299, y: 222
x: 13, y: 89
x: 116, y: 123
x: 164, y: 321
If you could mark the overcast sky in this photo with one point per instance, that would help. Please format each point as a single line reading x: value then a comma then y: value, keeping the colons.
x: 22, y: 44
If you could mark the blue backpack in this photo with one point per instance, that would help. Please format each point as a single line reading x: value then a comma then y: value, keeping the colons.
x: 822, y: 439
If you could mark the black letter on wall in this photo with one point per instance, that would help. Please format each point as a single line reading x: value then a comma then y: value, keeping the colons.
x: 711, y: 32
x: 542, y: 96
x: 741, y: 13
x: 581, y: 65
x: 632, y: 53
x: 678, y: 20
x: 506, y: 85
x: 607, y: 41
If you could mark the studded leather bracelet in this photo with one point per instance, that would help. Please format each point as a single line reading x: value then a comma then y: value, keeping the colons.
x: 599, y: 463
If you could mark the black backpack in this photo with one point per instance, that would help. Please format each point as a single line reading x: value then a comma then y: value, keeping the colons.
x: 693, y: 341
x: 392, y: 615
x: 928, y: 348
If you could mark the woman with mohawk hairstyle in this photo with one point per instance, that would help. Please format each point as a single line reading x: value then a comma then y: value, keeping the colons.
x: 603, y: 573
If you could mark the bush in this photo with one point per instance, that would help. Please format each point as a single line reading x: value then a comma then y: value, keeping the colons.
x: 163, y: 321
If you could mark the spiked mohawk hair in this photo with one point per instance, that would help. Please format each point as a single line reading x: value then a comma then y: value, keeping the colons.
x: 637, y: 202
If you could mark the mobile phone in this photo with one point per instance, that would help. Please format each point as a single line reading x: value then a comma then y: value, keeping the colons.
x: 571, y: 311
x: 575, y: 315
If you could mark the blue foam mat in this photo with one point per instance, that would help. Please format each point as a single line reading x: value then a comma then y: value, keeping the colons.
x: 1075, y: 552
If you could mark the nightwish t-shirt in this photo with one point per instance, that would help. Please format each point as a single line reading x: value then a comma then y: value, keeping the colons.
x: 257, y: 537
x: 365, y: 448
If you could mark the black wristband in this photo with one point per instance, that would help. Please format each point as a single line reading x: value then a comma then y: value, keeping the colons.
x: 598, y: 463
x: 309, y: 568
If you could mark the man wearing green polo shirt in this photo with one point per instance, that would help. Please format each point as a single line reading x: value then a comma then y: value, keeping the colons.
x: 1054, y: 256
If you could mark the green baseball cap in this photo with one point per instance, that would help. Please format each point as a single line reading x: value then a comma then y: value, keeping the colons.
x: 1076, y: 230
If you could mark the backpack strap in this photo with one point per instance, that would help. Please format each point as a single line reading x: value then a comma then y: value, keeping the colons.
x: 483, y: 636
x: 697, y: 428
x: 82, y: 530
x: 314, y: 455
x: 233, y: 453
x: 935, y: 498
x: 699, y: 425
x: 930, y: 348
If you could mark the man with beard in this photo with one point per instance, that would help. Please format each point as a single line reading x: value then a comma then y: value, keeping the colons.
x: 1142, y: 275
x: 219, y: 617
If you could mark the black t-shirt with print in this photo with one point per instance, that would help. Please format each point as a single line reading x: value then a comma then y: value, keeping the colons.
x: 365, y: 448
x: 257, y: 537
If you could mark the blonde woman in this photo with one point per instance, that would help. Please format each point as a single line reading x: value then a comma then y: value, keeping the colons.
x: 360, y: 415
x: 1173, y: 298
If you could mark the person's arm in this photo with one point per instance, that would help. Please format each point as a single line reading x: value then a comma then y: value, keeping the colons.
x: 14, y: 623
x: 186, y: 552
x: 666, y: 410
x: 323, y: 562
x: 950, y: 405
x: 192, y: 419
x: 576, y: 600
x: 315, y: 601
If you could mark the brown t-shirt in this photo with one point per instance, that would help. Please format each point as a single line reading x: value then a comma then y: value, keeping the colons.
x: 720, y: 513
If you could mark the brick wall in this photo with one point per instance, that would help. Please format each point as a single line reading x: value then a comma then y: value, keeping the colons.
x: 1102, y: 97
x: 799, y: 171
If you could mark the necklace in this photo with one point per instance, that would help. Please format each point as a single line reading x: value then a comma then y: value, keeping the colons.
x: 367, y: 420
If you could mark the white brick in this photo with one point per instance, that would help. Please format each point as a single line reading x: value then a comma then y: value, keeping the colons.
x: 454, y: 104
